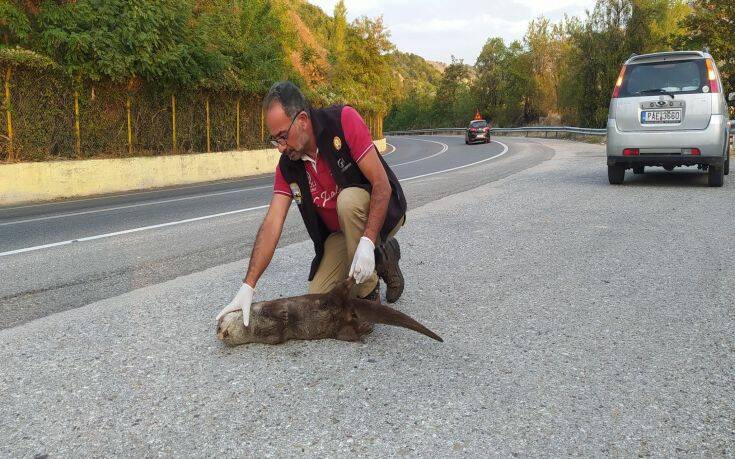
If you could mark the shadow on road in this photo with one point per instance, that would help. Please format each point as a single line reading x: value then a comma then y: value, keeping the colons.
x: 659, y: 177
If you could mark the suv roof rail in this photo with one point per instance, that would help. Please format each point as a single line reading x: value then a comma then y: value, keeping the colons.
x: 632, y: 55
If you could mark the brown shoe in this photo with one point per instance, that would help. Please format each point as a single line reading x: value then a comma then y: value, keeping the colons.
x: 386, y: 264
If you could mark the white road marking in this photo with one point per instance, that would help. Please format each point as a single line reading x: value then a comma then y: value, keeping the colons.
x: 128, y: 231
x: 206, y: 217
x: 129, y: 206
x: 505, y: 150
x: 445, y: 147
x: 135, y: 193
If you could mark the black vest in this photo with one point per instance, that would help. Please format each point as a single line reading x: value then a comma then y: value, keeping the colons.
x: 327, y: 124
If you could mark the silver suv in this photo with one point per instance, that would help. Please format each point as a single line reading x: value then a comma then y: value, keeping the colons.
x: 668, y: 109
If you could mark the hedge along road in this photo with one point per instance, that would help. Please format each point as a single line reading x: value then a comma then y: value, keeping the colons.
x: 59, y: 256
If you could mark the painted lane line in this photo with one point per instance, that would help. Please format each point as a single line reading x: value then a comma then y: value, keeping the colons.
x: 505, y: 150
x: 136, y: 193
x: 393, y: 149
x: 206, y: 217
x: 445, y: 147
x: 130, y: 206
x: 128, y: 231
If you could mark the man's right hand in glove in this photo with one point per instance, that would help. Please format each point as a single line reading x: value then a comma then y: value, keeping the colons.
x: 242, y: 301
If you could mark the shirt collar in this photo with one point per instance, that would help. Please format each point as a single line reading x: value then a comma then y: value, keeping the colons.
x: 307, y: 158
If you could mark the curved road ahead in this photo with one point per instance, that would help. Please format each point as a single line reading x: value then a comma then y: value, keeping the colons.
x: 64, y: 255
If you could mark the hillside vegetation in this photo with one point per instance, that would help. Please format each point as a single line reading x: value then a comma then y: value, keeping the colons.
x: 130, y: 77
x: 564, y: 72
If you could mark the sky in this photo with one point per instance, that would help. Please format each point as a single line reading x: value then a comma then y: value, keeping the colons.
x: 438, y: 29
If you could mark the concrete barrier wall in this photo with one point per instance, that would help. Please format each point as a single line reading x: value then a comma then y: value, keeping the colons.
x: 46, y: 181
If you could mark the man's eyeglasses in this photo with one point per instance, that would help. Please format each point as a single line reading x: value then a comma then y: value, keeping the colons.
x: 282, y: 140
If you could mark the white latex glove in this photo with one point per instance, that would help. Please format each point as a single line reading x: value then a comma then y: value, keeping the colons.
x: 363, y: 264
x: 242, y: 300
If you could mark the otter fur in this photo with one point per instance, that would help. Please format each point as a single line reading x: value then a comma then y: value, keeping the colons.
x: 336, y: 314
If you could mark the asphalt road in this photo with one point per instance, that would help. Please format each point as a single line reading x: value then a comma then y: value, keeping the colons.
x: 59, y: 256
x: 579, y: 319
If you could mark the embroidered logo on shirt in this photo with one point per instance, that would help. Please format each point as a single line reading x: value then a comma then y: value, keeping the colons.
x: 337, y: 143
x: 342, y: 164
x: 296, y: 192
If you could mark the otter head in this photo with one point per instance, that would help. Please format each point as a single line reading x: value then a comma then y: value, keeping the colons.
x: 231, y: 330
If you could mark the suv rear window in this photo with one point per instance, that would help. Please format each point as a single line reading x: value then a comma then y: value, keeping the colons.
x: 678, y: 77
x: 478, y: 124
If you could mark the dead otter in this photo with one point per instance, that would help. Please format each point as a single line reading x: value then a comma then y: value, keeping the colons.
x: 316, y: 316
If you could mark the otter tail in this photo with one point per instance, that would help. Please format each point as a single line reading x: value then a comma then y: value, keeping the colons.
x: 374, y: 312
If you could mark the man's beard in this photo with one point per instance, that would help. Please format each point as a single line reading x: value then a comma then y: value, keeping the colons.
x: 295, y: 154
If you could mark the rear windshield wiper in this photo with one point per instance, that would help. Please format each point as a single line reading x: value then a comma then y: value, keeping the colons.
x: 657, y: 91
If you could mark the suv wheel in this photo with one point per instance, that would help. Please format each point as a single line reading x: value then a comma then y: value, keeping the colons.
x: 615, y: 174
x: 715, y: 175
x: 639, y: 169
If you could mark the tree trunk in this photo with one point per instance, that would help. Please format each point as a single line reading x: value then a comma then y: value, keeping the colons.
x: 8, y: 114
x: 173, y: 122
x: 77, y: 130
x: 206, y: 106
x: 128, y: 104
x: 237, y: 125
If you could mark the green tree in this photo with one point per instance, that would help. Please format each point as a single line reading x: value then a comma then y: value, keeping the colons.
x: 521, y: 106
x: 453, y: 85
x: 489, y: 86
x: 243, y: 50
x: 712, y: 24
x: 416, y: 82
x: 14, y: 24
x: 364, y: 78
x: 339, y: 36
x: 123, y: 40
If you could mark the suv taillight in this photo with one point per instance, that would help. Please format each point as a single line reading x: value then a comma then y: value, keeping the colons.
x: 631, y: 152
x: 712, y: 77
x: 618, y: 83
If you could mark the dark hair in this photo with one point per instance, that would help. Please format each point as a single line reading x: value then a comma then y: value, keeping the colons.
x: 288, y: 95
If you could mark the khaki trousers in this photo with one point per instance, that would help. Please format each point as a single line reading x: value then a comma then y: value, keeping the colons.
x: 353, y: 206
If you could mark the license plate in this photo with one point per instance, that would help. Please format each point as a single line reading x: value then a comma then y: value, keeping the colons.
x: 660, y: 116
x: 480, y: 136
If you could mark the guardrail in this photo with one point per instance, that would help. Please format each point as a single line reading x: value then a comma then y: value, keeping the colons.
x: 556, y: 130
x: 522, y: 130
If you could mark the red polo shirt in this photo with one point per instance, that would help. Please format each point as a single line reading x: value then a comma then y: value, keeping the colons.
x: 322, y: 186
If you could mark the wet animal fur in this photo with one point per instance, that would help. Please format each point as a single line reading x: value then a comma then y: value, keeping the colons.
x: 335, y: 314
